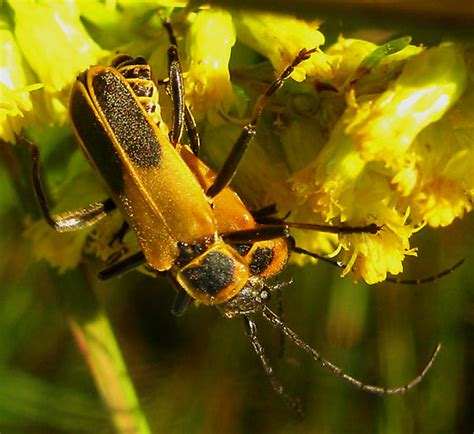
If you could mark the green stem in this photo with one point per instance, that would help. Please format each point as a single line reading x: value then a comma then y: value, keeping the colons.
x: 95, y: 338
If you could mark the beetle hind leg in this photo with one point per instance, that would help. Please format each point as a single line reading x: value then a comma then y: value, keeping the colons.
x: 229, y: 168
x: 68, y: 221
x: 182, y: 115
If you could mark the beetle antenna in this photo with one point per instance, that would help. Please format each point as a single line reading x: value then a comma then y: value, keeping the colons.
x: 313, y: 255
x: 427, y: 279
x: 251, y: 332
x: 269, y: 315
x: 398, y: 281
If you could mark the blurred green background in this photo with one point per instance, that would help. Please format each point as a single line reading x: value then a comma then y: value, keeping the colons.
x: 198, y: 373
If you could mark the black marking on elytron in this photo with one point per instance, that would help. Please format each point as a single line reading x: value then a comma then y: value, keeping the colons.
x: 212, y: 275
x: 262, y: 257
x: 96, y: 141
x: 189, y: 251
x: 242, y: 249
x: 126, y: 119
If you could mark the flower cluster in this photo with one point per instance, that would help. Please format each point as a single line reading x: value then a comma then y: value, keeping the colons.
x: 364, y: 133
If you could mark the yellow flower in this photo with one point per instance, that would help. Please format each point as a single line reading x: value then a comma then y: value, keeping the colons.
x: 103, y: 242
x: 389, y: 159
x: 54, y: 41
x: 345, y: 56
x: 61, y: 250
x: 209, y: 43
x: 15, y: 101
x: 374, y: 135
x: 385, y: 127
x: 445, y: 149
x: 373, y: 256
x: 15, y: 106
x: 280, y: 38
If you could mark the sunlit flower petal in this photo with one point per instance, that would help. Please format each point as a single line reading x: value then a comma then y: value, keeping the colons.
x: 385, y: 127
x: 54, y: 41
x: 280, y: 38
x: 209, y: 45
x: 15, y: 101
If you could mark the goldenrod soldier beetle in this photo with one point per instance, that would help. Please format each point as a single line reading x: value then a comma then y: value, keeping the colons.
x: 190, y: 224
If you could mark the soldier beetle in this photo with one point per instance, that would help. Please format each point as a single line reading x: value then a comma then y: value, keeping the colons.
x: 190, y: 224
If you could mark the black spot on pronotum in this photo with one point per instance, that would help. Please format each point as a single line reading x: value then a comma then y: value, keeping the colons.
x: 261, y: 259
x: 126, y: 119
x: 212, y: 275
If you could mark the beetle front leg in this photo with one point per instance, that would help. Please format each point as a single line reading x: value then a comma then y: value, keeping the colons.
x: 120, y: 267
x: 69, y: 221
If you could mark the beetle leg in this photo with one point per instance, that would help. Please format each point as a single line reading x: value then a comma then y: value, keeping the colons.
x: 182, y: 299
x: 259, y: 233
x: 251, y: 331
x: 266, y: 211
x: 181, y: 302
x: 281, y: 315
x: 229, y: 168
x: 175, y: 85
x: 191, y: 131
x: 282, y: 230
x: 121, y: 267
x: 120, y: 234
x: 69, y: 221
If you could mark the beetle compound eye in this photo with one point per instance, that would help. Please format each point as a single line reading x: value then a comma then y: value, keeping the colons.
x: 264, y: 295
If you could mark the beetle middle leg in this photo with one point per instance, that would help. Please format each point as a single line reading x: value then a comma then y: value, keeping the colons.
x: 68, y: 221
x: 182, y: 300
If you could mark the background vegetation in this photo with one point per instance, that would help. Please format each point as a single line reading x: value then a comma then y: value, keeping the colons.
x: 198, y: 374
